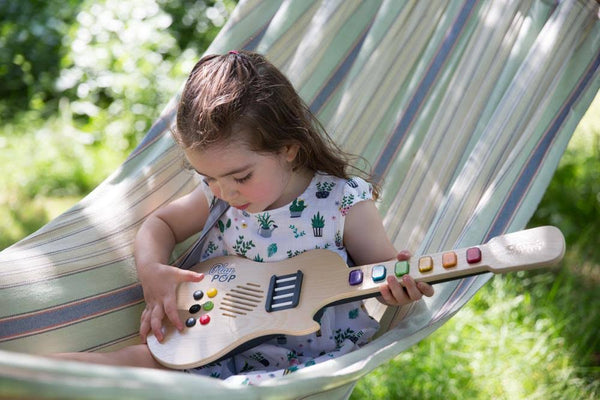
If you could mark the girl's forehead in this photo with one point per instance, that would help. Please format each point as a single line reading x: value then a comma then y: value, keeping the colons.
x: 220, y: 160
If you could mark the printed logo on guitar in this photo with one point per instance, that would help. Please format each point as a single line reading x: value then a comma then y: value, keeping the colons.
x: 222, y: 273
x: 525, y: 248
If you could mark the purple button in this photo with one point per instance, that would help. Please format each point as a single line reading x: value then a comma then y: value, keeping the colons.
x: 355, y: 277
x: 473, y: 255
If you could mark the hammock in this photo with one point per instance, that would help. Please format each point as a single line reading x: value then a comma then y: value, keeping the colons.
x: 464, y: 107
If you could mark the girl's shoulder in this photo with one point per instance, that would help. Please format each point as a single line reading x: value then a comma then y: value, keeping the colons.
x: 325, y: 184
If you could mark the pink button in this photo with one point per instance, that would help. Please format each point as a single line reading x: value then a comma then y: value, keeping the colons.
x: 204, y: 319
x: 473, y: 255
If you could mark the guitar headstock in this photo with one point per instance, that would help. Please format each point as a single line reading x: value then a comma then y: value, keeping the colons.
x: 526, y: 249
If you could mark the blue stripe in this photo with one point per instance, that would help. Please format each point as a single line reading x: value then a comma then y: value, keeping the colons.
x: 339, y: 75
x: 70, y: 313
x: 418, y: 99
x: 521, y: 186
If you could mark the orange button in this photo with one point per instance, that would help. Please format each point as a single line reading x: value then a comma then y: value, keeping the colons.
x: 449, y: 259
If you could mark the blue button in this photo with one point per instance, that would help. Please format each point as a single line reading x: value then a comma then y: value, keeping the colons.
x: 355, y: 277
x: 378, y: 273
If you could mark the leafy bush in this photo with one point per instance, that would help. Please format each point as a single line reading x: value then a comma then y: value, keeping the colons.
x: 82, y: 81
x: 31, y: 34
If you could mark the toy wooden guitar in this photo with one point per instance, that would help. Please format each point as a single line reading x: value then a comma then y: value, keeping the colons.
x: 241, y: 303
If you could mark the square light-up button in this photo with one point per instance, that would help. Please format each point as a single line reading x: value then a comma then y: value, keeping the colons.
x: 378, y: 273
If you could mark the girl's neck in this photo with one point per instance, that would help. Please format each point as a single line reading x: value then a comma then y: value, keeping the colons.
x: 297, y: 184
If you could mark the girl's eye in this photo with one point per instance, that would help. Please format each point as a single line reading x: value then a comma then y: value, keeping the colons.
x: 243, y: 179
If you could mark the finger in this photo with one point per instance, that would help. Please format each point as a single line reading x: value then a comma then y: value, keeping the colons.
x: 404, y: 255
x: 386, y: 294
x: 144, y: 325
x: 426, y: 289
x: 156, y: 322
x: 172, y: 314
x: 189, y: 276
x: 411, y: 288
x: 398, y: 291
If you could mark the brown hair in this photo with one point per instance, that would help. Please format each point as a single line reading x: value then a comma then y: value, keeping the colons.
x: 241, y: 95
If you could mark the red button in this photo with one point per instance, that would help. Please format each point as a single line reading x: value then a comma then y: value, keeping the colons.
x: 473, y: 255
x: 204, y: 319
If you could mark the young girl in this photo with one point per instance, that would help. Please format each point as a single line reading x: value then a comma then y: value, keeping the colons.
x: 246, y: 131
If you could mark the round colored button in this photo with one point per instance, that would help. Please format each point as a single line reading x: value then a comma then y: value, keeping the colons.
x: 194, y: 309
x: 198, y: 294
x: 190, y: 322
x: 204, y: 319
x: 212, y: 292
x: 209, y: 305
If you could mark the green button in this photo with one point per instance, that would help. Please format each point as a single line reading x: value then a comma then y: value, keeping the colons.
x: 209, y: 305
x: 401, y: 268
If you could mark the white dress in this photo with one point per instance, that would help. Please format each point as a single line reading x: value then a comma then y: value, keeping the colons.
x: 314, y: 220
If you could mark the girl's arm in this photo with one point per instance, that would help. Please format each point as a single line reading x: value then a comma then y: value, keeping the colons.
x: 367, y: 243
x: 154, y: 243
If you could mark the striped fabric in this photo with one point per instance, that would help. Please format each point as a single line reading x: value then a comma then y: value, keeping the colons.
x: 463, y: 108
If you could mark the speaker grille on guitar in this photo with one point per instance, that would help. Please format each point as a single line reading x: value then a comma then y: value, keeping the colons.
x: 242, y: 300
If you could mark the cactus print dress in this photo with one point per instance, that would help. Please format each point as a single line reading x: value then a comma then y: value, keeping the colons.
x: 314, y: 220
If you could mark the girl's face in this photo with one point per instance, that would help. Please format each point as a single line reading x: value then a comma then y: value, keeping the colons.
x: 245, y: 179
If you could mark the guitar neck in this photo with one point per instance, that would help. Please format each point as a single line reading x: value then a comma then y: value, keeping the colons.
x: 523, y: 250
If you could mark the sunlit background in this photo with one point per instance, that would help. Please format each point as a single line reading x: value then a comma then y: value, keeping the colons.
x: 82, y: 81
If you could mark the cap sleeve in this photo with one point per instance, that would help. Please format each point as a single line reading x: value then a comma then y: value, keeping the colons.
x: 355, y: 190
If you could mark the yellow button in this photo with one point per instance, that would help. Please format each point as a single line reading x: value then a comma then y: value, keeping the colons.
x: 449, y: 259
x: 425, y: 264
x: 212, y: 292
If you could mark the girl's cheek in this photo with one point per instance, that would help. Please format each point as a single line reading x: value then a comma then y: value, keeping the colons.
x: 215, y: 191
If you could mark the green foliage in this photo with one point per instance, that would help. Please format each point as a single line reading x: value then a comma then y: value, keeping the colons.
x: 81, y: 83
x: 113, y: 64
x: 523, y: 336
x: 31, y: 39
x: 572, y: 200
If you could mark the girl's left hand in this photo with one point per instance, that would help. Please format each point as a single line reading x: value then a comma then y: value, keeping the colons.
x: 395, y: 294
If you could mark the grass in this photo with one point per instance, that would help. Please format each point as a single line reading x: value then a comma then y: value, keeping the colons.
x: 523, y: 336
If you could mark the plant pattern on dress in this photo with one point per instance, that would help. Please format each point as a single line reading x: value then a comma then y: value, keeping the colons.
x: 210, y: 249
x: 296, y: 208
x: 318, y: 223
x: 266, y: 225
x: 347, y: 202
x: 272, y: 250
x: 323, y: 189
x: 222, y: 226
x: 241, y: 246
x: 296, y: 232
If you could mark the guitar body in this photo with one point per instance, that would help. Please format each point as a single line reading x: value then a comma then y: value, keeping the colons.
x: 241, y: 302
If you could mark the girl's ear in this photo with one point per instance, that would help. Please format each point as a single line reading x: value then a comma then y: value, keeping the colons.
x: 290, y: 152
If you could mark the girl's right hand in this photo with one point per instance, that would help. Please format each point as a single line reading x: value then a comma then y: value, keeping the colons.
x: 160, y: 288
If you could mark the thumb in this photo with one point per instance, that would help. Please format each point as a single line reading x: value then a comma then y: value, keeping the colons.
x: 404, y: 255
x: 190, y: 276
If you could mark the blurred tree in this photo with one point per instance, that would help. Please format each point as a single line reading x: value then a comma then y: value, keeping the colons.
x: 103, y: 63
x: 31, y: 33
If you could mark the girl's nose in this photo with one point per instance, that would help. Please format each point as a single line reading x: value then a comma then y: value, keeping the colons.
x: 228, y: 193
